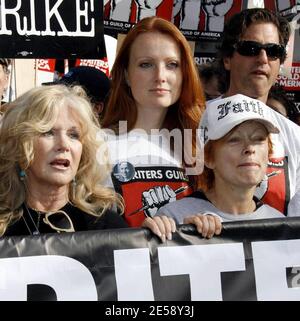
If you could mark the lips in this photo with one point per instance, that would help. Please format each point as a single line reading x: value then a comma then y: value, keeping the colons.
x: 249, y: 164
x: 60, y: 162
x: 159, y: 90
x: 260, y: 73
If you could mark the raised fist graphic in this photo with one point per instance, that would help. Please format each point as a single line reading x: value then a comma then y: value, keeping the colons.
x: 189, y: 13
x: 120, y: 10
x: 216, y: 10
x: 156, y: 197
x: 147, y: 8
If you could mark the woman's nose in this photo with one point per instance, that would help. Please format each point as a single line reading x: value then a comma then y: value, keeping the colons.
x: 249, y: 148
x: 160, y: 73
x: 62, y: 142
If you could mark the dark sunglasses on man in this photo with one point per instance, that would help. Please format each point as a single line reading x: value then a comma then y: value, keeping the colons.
x: 253, y: 48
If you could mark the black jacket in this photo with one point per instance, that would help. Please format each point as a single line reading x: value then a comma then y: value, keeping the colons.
x: 30, y: 222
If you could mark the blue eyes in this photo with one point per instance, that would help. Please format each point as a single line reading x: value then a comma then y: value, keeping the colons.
x: 48, y: 133
x: 145, y: 65
x: 170, y: 65
x: 73, y: 134
x: 173, y: 65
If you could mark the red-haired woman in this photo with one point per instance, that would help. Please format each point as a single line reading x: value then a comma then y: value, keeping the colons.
x: 157, y: 91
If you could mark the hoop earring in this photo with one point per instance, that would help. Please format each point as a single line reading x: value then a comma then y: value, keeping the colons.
x: 22, y: 175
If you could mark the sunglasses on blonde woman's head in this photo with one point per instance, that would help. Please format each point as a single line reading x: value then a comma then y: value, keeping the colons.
x: 59, y: 221
x: 253, y: 48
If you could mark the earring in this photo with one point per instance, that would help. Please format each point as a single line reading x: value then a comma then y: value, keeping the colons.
x: 73, y: 187
x: 127, y: 79
x: 22, y: 175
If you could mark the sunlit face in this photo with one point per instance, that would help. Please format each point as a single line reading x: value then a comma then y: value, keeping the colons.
x: 254, y: 76
x: 240, y: 158
x: 57, y: 153
x: 154, y: 71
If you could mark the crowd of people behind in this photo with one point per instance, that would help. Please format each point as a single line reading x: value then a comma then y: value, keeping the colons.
x: 69, y: 163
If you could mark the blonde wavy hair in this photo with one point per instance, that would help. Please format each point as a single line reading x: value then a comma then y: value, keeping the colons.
x: 33, y: 113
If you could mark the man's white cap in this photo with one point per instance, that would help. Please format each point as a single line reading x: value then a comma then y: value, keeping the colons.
x: 222, y: 115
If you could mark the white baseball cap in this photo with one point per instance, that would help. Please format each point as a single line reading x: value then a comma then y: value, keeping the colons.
x: 222, y: 115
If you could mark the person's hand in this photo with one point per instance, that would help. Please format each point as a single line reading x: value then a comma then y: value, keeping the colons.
x: 156, y: 197
x: 162, y: 226
x: 207, y: 225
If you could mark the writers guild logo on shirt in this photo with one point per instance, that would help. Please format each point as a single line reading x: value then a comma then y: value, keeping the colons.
x: 262, y: 187
x: 124, y: 171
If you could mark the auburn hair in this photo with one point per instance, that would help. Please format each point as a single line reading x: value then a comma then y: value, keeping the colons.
x: 185, y: 113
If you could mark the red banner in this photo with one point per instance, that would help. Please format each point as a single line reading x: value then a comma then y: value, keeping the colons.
x: 291, y: 83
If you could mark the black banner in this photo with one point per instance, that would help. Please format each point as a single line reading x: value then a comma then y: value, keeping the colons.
x: 252, y: 260
x: 52, y: 29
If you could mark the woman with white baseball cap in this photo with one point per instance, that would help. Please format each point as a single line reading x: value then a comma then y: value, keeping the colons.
x: 236, y: 134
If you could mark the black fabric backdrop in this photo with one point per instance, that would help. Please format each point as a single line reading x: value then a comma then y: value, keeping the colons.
x: 94, y: 249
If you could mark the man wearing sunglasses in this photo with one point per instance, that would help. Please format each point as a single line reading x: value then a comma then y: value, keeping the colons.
x: 252, y: 49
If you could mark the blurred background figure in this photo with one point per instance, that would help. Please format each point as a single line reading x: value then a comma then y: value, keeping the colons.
x: 4, y: 77
x: 213, y: 80
x: 279, y: 101
x: 95, y: 83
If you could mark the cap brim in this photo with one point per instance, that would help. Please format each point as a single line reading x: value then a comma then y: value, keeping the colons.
x: 221, y: 131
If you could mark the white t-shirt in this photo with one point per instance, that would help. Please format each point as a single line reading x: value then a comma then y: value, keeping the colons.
x: 200, y: 205
x: 146, y: 172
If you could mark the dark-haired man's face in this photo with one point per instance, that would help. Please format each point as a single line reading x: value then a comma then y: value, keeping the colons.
x: 254, y: 75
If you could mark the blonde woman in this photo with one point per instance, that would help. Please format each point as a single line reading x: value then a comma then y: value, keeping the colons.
x: 50, y: 178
